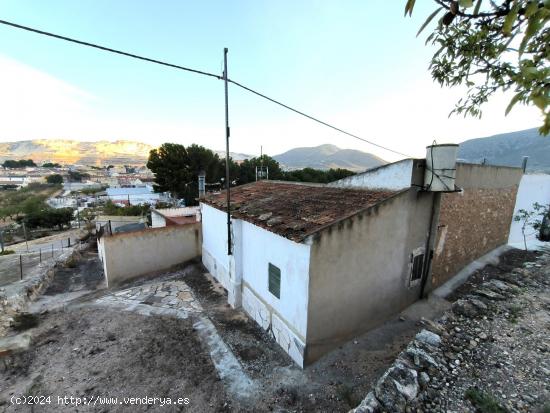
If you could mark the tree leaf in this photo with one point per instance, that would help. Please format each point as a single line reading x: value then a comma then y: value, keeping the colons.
x: 466, y: 3
x: 510, y: 19
x: 409, y: 7
x: 531, y: 8
x: 428, y: 20
x: 514, y: 100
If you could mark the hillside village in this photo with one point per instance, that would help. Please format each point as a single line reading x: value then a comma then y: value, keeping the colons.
x: 290, y: 207
x: 262, y: 293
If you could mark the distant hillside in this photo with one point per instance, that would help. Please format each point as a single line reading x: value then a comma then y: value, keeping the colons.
x: 508, y: 149
x: 77, y: 152
x: 236, y: 156
x: 326, y: 157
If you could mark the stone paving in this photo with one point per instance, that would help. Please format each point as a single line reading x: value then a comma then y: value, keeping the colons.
x: 174, y: 298
x: 165, y: 297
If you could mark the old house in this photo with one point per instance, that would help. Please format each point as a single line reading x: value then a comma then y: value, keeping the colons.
x: 319, y: 265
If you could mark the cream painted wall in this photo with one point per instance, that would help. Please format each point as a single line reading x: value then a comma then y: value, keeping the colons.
x: 134, y: 254
x: 360, y: 270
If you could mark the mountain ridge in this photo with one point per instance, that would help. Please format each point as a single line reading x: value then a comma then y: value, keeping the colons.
x: 126, y: 152
x: 508, y: 149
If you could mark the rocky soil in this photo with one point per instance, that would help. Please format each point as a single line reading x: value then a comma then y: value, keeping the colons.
x: 490, y: 353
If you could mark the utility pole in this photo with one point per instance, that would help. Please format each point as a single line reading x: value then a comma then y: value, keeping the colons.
x: 227, y: 181
x: 25, y: 233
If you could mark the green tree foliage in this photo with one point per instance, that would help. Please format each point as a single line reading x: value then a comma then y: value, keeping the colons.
x: 75, y: 176
x: 51, y: 165
x: 247, y: 169
x: 492, y: 46
x: 131, y: 210
x: 48, y: 218
x: 23, y: 163
x: 176, y: 170
x: 25, y: 200
x: 54, y: 179
x: 177, y: 167
x: 316, y: 175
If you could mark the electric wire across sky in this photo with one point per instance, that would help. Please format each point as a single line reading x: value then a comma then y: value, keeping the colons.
x: 196, y: 71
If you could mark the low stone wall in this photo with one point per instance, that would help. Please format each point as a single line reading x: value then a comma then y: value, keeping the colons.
x: 15, y: 297
x: 426, y: 372
x: 130, y: 255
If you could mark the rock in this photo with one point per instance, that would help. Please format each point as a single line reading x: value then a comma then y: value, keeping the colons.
x: 274, y: 221
x: 423, y: 379
x: 428, y: 337
x: 491, y: 295
x: 396, y: 387
x: 13, y: 344
x: 420, y: 358
x: 265, y: 217
x: 432, y: 326
x: 369, y: 405
x: 471, y: 307
x: 497, y: 286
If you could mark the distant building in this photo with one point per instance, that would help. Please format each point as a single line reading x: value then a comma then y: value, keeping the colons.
x: 135, y: 196
x: 166, y: 217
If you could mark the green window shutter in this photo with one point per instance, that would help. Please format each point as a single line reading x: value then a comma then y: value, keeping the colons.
x: 274, y: 276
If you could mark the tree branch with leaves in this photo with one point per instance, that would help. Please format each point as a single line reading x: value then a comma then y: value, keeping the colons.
x: 492, y: 46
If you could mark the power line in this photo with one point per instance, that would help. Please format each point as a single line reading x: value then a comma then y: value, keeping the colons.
x: 134, y: 56
x: 108, y: 49
x: 315, y: 119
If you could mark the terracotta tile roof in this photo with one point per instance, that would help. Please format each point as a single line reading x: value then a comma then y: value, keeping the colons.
x: 295, y: 211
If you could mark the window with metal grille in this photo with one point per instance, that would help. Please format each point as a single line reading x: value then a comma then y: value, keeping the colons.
x: 417, y: 264
x: 274, y: 279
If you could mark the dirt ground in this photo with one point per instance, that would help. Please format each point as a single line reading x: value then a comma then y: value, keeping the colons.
x: 83, y: 350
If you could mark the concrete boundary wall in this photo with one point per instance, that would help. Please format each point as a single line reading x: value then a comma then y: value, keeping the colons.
x: 129, y: 255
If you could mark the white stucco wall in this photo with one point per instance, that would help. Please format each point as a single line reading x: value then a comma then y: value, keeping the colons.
x: 253, y: 249
x: 394, y: 176
x: 157, y: 220
x: 214, y: 243
x: 532, y: 188
x: 287, y: 315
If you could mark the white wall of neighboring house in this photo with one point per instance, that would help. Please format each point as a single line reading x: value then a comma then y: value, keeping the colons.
x: 532, y: 188
x: 214, y: 244
x: 394, y: 176
x: 287, y: 315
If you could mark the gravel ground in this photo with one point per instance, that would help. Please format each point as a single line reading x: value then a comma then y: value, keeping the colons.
x: 504, y: 355
x: 490, y: 353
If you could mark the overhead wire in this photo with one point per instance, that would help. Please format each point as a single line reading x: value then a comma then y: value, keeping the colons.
x: 108, y: 49
x: 200, y: 72
x: 313, y: 118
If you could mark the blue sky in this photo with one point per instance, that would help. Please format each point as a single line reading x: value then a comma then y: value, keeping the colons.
x: 356, y: 64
